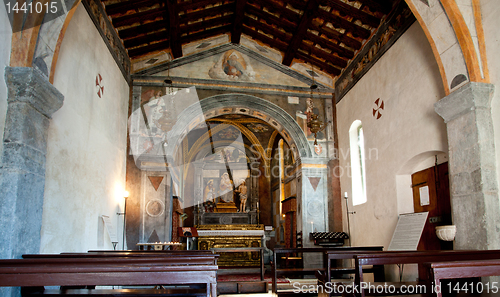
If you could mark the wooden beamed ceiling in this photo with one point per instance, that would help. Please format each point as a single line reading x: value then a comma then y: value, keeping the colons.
x: 323, y: 33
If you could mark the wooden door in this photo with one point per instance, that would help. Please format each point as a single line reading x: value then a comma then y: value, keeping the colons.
x: 434, y: 182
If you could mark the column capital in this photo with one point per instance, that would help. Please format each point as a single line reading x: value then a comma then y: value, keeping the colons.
x: 29, y: 85
x: 471, y: 96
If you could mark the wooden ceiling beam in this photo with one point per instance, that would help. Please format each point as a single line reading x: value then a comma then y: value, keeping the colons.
x: 342, y: 52
x: 339, y: 22
x: 297, y: 4
x: 383, y: 6
x: 277, y: 44
x: 215, y: 22
x: 239, y: 12
x: 352, y: 11
x: 142, y: 29
x: 269, y: 18
x: 201, y: 14
x: 146, y: 39
x: 206, y: 34
x: 282, y: 10
x: 336, y: 35
x: 335, y: 60
x: 140, y: 51
x: 139, y: 17
x: 171, y: 14
x: 298, y: 36
x: 264, y: 27
x: 319, y: 64
x: 123, y: 7
x: 185, y: 6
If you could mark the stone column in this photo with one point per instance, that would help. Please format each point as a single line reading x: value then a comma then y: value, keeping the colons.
x: 31, y: 102
x: 472, y: 166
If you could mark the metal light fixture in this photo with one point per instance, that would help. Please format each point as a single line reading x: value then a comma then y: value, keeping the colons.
x: 124, y: 213
x: 314, y: 124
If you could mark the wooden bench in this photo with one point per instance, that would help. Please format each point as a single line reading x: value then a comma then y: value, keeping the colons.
x: 86, y: 269
x: 415, y: 257
x: 349, y: 253
x: 279, y: 271
x: 241, y: 287
x: 466, y: 269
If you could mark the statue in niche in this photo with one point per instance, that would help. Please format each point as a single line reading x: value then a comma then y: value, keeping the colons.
x: 242, y: 189
x: 209, y: 197
x: 226, y: 188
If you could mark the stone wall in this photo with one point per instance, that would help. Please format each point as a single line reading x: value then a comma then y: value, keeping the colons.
x: 402, y: 140
x: 6, y: 37
x: 86, y: 154
x: 490, y: 12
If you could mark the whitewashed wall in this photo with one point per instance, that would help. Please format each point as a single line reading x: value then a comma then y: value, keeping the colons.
x: 5, y: 38
x: 86, y: 156
x: 403, y: 141
x: 491, y: 22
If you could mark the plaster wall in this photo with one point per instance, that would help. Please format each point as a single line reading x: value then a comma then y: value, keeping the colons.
x: 86, y: 158
x: 490, y: 11
x: 402, y: 141
x: 5, y: 44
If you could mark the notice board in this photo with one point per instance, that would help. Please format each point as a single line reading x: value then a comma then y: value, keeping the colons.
x: 408, y: 231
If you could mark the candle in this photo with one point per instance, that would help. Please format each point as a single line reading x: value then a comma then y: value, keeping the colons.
x: 312, y: 226
x: 345, y: 195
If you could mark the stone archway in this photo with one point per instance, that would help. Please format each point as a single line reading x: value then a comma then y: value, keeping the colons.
x: 240, y: 104
x: 456, y: 37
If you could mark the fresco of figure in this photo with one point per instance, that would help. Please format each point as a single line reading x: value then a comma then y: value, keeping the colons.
x: 226, y: 188
x: 242, y: 189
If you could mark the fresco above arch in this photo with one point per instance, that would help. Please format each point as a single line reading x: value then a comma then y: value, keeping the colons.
x: 233, y: 65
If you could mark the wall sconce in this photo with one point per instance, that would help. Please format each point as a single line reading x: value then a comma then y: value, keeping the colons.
x: 125, y: 196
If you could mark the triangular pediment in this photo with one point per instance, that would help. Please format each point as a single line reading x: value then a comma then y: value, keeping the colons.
x: 231, y: 64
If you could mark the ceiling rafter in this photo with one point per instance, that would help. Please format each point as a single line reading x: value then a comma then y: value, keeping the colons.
x: 142, y: 29
x: 323, y: 65
x: 130, y: 19
x: 342, y: 52
x: 268, y: 28
x: 146, y: 39
x: 280, y: 9
x: 383, y: 6
x: 215, y: 22
x: 201, y: 14
x: 355, y: 13
x: 298, y: 36
x: 334, y: 34
x: 206, y: 34
x: 152, y: 48
x: 278, y: 44
x: 239, y: 12
x: 342, y: 23
x: 285, y: 24
x: 123, y: 7
x: 335, y: 60
x: 195, y: 5
x: 171, y: 15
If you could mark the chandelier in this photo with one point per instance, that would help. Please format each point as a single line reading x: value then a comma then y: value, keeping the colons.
x: 314, y: 124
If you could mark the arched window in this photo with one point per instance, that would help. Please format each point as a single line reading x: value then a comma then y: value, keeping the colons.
x: 358, y: 169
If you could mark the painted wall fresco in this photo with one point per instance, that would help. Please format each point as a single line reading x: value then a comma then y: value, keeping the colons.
x: 221, y: 67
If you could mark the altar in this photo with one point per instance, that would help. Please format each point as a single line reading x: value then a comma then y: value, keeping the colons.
x: 232, y: 236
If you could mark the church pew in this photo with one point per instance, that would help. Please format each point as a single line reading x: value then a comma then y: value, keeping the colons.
x: 279, y: 271
x: 415, y: 257
x: 465, y: 269
x: 38, y: 271
x: 334, y: 255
